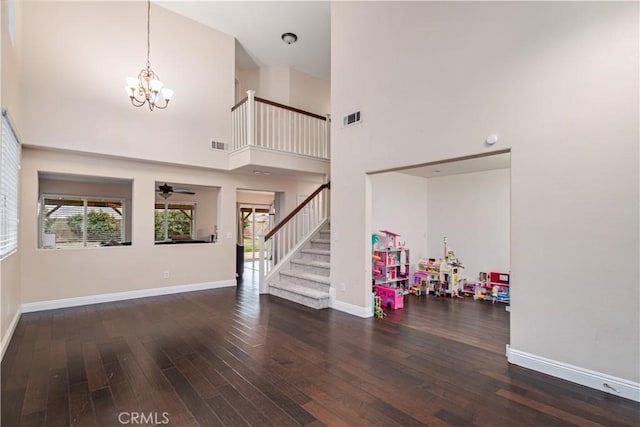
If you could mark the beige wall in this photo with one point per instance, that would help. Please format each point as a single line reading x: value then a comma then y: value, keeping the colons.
x: 310, y: 93
x: 287, y: 86
x: 399, y: 204
x: 558, y: 82
x: 249, y: 80
x: 472, y: 211
x: 68, y: 273
x: 88, y: 48
x: 275, y: 84
x: 10, y: 290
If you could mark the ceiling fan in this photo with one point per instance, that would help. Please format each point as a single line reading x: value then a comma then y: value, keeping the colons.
x: 165, y: 191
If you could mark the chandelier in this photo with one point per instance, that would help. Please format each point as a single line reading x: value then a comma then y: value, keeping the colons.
x: 147, y: 88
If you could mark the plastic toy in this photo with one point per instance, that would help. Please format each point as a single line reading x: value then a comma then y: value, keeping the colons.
x: 377, y: 309
x: 390, y: 297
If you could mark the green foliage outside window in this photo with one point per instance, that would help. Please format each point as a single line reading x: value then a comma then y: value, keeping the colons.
x: 179, y: 223
x: 100, y: 226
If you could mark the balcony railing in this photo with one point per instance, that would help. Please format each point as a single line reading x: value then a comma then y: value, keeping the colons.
x: 258, y: 122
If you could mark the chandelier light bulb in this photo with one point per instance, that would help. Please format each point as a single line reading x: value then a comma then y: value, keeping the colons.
x: 147, y: 88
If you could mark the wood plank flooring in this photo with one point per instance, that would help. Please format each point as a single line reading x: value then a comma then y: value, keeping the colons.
x: 229, y: 357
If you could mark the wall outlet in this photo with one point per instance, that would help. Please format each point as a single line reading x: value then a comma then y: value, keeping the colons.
x: 342, y: 287
x: 229, y: 235
x: 165, y: 275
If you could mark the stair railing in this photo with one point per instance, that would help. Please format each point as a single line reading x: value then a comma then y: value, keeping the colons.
x: 259, y: 122
x: 277, y: 246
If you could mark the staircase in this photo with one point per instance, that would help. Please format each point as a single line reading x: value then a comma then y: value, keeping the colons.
x: 306, y: 279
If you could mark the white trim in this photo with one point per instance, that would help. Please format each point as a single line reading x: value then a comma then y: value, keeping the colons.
x: 120, y: 296
x: 596, y: 380
x: 355, y: 310
x: 6, y: 339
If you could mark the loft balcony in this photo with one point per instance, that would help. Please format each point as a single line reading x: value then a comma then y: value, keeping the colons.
x: 266, y: 134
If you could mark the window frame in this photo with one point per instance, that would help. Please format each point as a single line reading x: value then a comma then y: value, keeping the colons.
x: 10, y: 153
x: 166, y: 207
x: 85, y: 211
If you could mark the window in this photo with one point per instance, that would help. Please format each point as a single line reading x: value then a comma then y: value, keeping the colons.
x: 175, y: 221
x: 72, y: 222
x: 185, y: 213
x: 9, y: 166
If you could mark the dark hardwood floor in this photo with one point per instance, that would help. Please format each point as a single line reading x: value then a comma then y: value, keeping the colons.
x: 231, y: 357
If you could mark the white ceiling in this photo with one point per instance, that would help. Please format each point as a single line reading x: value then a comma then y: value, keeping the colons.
x: 258, y: 26
x: 476, y: 164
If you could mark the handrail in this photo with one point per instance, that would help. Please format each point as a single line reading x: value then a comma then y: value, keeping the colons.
x: 242, y: 101
x: 277, y: 104
x: 287, y: 107
x: 297, y: 209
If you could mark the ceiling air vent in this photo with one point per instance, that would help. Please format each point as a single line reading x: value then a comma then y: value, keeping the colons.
x: 351, y: 119
x: 217, y: 145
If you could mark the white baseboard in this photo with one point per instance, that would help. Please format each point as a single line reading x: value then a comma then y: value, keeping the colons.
x: 6, y: 339
x: 596, y: 380
x: 355, y: 310
x: 121, y: 296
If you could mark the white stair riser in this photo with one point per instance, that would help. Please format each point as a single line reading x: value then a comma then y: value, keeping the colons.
x: 300, y: 299
x: 322, y: 271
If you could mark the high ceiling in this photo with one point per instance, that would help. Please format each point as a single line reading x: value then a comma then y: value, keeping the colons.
x: 258, y: 26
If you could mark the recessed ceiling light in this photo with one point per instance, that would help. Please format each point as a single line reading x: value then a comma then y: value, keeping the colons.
x: 289, y: 38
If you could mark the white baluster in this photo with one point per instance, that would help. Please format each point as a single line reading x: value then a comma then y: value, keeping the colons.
x: 261, y: 266
x: 251, y: 117
x: 327, y: 136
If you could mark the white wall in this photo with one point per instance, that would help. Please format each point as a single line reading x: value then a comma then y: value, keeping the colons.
x: 399, y: 204
x: 472, y: 211
x: 76, y: 56
x: 558, y: 82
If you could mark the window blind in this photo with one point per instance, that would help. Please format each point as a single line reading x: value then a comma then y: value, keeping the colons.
x: 71, y: 221
x: 9, y: 170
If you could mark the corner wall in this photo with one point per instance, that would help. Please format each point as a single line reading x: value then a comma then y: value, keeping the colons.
x: 558, y: 82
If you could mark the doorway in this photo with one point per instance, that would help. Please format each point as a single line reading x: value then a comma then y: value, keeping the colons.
x: 256, y: 221
x: 462, y: 207
x: 256, y: 215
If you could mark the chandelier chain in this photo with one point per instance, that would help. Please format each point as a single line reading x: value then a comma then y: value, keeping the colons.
x: 148, y: 31
x: 147, y: 88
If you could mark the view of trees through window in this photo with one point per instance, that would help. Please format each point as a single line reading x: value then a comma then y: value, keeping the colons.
x: 78, y: 222
x: 179, y: 224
